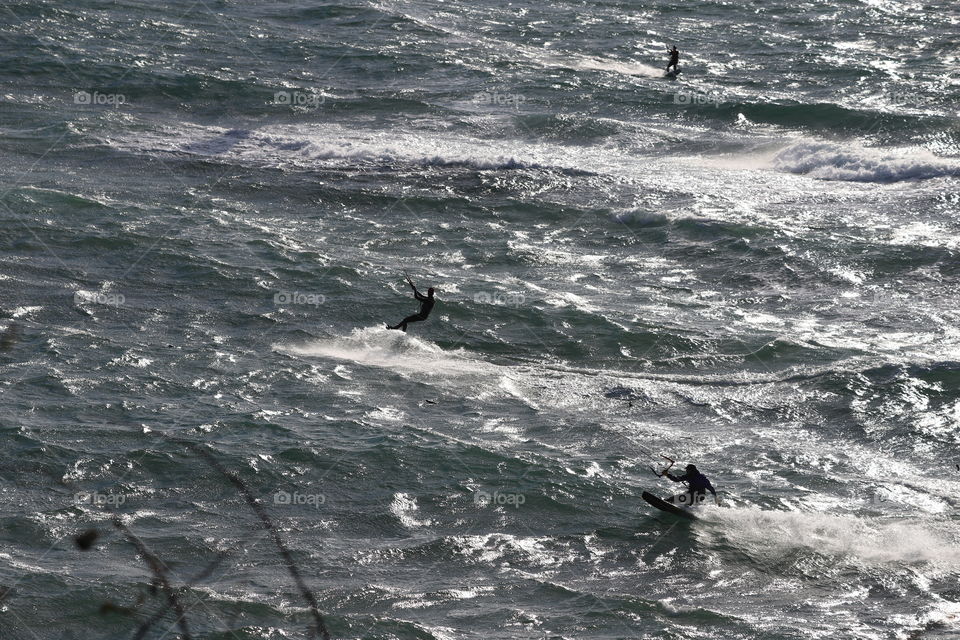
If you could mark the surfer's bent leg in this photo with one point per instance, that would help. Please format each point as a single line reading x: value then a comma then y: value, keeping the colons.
x: 403, y: 323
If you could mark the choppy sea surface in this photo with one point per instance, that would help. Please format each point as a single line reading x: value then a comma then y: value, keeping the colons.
x: 208, y: 208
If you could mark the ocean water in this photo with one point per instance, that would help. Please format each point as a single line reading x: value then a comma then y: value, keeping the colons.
x: 209, y: 208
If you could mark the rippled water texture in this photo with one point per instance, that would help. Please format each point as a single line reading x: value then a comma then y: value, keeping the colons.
x: 208, y: 212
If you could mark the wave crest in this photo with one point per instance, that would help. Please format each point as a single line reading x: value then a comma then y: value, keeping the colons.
x: 830, y: 161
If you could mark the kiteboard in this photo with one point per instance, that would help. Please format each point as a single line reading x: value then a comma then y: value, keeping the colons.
x: 663, y: 505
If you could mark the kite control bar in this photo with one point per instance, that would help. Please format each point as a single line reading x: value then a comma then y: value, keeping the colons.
x: 660, y: 474
x: 409, y: 281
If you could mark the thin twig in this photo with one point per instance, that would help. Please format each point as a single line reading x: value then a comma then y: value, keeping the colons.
x: 155, y: 618
x: 268, y: 525
x: 160, y: 571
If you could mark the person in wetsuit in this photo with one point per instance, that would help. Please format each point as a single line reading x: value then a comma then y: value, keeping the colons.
x: 426, y: 306
x: 697, y: 487
x: 674, y: 59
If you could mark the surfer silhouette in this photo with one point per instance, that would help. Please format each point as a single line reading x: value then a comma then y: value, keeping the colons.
x: 674, y: 59
x: 426, y: 306
x: 9, y: 336
x: 697, y: 487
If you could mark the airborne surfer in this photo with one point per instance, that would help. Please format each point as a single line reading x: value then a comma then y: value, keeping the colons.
x: 426, y: 306
x: 674, y: 59
x: 697, y: 487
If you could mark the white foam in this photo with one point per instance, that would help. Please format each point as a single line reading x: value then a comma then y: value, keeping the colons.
x: 777, y: 536
x: 386, y: 414
x: 334, y: 145
x: 851, y: 162
x: 494, y: 548
x: 403, y: 507
x: 589, y: 63
x: 393, y: 350
x: 19, y: 312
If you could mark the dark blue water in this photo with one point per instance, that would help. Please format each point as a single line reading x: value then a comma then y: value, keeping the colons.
x: 208, y: 211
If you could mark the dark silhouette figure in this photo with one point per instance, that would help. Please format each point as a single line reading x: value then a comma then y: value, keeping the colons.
x: 426, y: 306
x: 10, y: 336
x: 674, y: 59
x: 697, y: 487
